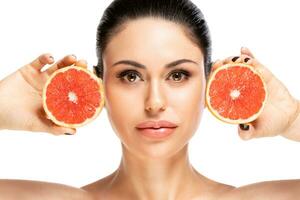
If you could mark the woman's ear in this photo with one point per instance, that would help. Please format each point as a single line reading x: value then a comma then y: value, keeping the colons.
x: 205, y: 103
x: 104, y: 98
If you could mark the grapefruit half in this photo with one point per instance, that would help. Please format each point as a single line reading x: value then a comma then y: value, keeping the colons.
x: 73, y: 96
x: 236, y: 93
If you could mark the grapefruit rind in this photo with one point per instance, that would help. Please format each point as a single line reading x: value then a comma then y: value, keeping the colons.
x: 98, y: 110
x: 227, y: 120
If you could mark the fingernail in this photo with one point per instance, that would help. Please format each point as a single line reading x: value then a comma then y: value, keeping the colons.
x: 68, y: 134
x: 246, y: 60
x: 74, y: 56
x: 244, y: 127
x: 235, y: 58
x: 51, y: 58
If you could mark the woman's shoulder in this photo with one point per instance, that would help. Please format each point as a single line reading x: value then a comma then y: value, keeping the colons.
x: 275, y: 190
x: 98, y: 188
x: 32, y: 189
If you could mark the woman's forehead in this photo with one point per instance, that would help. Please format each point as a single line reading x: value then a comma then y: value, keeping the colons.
x: 149, y: 40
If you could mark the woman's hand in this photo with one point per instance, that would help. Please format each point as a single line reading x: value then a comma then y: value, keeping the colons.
x: 21, y: 96
x: 281, y: 109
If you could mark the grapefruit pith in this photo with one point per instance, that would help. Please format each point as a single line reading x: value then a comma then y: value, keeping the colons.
x: 236, y: 93
x: 73, y: 96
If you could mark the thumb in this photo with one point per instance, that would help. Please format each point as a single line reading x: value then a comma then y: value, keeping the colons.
x: 245, y: 130
x: 255, y: 129
x: 246, y: 51
x: 44, y: 124
x: 59, y: 130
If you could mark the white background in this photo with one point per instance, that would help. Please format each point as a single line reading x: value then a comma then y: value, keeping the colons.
x: 30, y: 28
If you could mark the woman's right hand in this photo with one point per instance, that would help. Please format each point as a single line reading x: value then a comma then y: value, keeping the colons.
x: 21, y: 96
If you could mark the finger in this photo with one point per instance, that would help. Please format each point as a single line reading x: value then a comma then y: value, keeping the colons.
x: 66, y: 61
x: 251, y: 130
x: 41, y: 61
x: 257, y: 129
x: 238, y: 59
x: 216, y: 64
x: 81, y: 63
x: 251, y: 61
x: 49, y: 126
x: 246, y: 51
x: 261, y: 69
x: 57, y: 130
x: 54, y: 129
x: 244, y: 131
x: 244, y: 59
x: 232, y: 59
x: 44, y: 124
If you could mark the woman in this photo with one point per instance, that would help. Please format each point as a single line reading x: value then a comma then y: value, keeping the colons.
x: 155, y: 56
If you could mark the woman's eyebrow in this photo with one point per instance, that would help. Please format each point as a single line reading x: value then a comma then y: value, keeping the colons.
x: 169, y: 65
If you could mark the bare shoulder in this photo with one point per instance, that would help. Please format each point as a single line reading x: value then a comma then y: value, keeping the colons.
x: 30, y: 189
x: 99, y: 188
x: 275, y: 190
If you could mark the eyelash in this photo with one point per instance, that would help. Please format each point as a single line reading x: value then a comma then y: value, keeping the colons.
x: 124, y: 73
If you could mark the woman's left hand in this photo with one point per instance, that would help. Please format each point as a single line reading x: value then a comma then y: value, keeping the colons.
x: 281, y: 108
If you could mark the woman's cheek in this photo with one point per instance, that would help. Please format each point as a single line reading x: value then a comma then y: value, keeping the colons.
x: 189, y: 103
x: 123, y: 105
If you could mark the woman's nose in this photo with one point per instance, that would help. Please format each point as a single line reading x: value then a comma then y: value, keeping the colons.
x: 155, y: 98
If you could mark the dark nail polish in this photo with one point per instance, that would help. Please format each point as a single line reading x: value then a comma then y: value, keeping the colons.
x: 244, y: 127
x: 246, y: 60
x: 235, y: 58
x: 68, y: 134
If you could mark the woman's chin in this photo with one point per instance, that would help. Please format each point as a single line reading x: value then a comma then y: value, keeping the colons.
x: 157, y: 144
x: 157, y: 151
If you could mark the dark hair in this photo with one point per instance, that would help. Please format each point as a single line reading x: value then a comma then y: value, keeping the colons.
x: 183, y: 12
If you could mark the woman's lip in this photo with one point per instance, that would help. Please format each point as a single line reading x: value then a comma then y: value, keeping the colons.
x: 156, y: 124
x: 156, y: 133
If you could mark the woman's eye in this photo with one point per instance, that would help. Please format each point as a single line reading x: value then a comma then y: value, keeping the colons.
x: 178, y: 75
x: 129, y: 76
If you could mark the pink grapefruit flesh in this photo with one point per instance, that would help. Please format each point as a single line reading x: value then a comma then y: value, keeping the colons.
x: 73, y: 96
x: 236, y: 93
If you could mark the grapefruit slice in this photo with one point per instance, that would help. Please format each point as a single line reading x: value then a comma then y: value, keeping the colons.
x: 73, y: 96
x: 236, y: 93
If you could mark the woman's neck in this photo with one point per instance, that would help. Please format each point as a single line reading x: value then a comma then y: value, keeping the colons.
x: 156, y: 178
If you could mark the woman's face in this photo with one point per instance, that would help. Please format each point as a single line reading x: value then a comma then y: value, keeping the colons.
x: 154, y: 92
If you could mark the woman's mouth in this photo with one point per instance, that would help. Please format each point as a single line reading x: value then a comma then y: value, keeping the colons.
x: 156, y: 129
x: 156, y: 133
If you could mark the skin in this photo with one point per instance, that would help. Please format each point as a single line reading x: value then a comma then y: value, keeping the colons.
x: 153, y: 169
